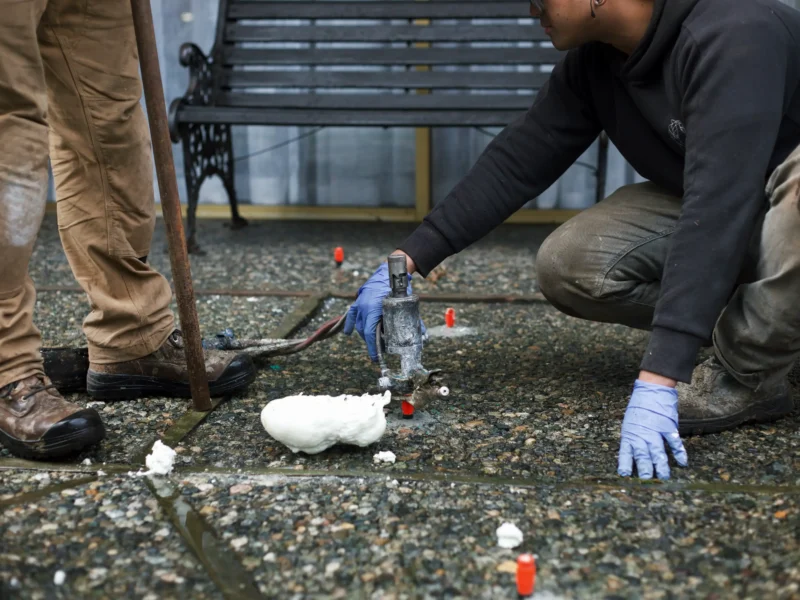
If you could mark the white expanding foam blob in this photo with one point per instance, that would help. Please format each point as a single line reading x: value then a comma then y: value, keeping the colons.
x: 160, y: 459
x: 508, y: 536
x: 312, y: 424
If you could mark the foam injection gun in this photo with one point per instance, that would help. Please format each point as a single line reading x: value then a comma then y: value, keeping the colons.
x: 400, y: 335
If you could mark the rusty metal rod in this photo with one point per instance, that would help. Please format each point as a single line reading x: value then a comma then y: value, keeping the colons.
x: 170, y: 201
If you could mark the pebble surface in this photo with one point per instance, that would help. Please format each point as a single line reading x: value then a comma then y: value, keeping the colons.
x: 533, y: 394
x: 13, y: 483
x: 392, y: 538
x: 530, y: 432
x: 299, y: 256
x: 109, y: 537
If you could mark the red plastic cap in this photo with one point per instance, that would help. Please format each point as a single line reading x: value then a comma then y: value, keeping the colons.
x: 450, y: 317
x: 407, y: 408
x: 526, y: 574
x: 338, y: 255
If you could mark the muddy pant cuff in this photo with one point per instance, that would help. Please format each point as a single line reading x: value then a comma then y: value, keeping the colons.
x: 21, y: 372
x: 751, y: 380
x: 107, y: 356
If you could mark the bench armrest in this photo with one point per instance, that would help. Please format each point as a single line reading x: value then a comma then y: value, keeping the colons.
x: 199, y: 91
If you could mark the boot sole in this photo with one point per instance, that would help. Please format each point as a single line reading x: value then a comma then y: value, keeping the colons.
x: 66, y: 438
x: 756, y: 413
x: 111, y: 386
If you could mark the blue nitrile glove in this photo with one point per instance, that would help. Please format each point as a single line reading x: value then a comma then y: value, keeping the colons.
x: 365, y: 313
x: 651, y: 418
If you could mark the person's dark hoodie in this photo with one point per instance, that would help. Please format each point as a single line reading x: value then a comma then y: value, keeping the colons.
x: 706, y: 106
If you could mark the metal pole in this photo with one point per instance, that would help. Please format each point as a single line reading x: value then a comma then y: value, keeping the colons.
x: 170, y: 201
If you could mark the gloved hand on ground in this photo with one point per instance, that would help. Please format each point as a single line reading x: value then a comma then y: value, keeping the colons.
x: 651, y: 418
x: 365, y: 313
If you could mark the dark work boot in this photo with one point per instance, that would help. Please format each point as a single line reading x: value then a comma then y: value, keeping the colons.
x: 36, y: 422
x: 164, y: 373
x: 716, y: 401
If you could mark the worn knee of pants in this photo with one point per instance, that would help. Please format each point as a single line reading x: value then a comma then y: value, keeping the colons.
x: 757, y: 336
x: 23, y: 184
x: 605, y: 264
x: 102, y: 165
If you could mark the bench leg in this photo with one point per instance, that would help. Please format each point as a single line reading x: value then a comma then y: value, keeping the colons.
x: 195, y: 169
x: 224, y: 147
x: 207, y: 151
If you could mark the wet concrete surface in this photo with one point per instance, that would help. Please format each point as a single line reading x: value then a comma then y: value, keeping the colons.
x: 110, y: 539
x: 379, y: 538
x: 16, y: 483
x: 534, y: 394
x: 299, y: 256
x: 529, y: 435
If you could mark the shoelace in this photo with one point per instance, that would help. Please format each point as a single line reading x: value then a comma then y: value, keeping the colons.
x: 6, y: 391
x: 36, y: 390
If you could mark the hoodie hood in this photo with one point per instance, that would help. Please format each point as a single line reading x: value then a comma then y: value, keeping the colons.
x: 658, y: 40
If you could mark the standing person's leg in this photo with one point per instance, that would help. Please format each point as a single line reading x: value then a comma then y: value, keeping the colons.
x: 35, y: 422
x: 605, y: 264
x: 102, y: 163
x: 23, y: 184
x: 757, y: 336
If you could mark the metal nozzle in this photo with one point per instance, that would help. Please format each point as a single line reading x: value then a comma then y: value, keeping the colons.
x: 398, y: 275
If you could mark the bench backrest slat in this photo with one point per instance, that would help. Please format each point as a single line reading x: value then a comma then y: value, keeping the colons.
x: 407, y: 102
x: 236, y: 56
x: 249, y: 9
x: 384, y: 79
x: 443, y: 117
x: 385, y: 51
x: 383, y: 33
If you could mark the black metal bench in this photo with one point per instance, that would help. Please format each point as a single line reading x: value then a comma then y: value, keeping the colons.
x: 248, y: 79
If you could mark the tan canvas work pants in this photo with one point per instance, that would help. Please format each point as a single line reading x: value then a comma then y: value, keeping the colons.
x: 70, y: 90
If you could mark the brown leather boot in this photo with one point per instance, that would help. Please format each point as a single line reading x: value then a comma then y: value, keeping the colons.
x: 36, y: 422
x: 164, y: 373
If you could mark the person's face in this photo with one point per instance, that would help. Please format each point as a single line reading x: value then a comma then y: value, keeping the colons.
x: 566, y: 22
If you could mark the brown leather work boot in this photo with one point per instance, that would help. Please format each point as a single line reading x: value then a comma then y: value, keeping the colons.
x: 36, y: 422
x: 164, y: 373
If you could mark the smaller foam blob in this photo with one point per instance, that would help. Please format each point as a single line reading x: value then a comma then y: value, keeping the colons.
x: 385, y: 457
x: 160, y: 459
x: 508, y: 536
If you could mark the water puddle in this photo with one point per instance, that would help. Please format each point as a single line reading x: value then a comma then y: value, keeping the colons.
x: 33, y: 496
x: 218, y: 560
x: 598, y: 483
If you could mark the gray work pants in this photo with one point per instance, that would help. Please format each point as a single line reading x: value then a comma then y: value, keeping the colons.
x: 605, y: 265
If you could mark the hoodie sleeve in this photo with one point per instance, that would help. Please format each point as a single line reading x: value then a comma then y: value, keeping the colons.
x: 525, y: 159
x: 733, y: 81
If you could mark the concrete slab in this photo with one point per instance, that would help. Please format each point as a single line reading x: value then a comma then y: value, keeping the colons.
x: 535, y: 394
x: 110, y: 539
x: 529, y: 435
x: 299, y: 256
x: 387, y: 538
